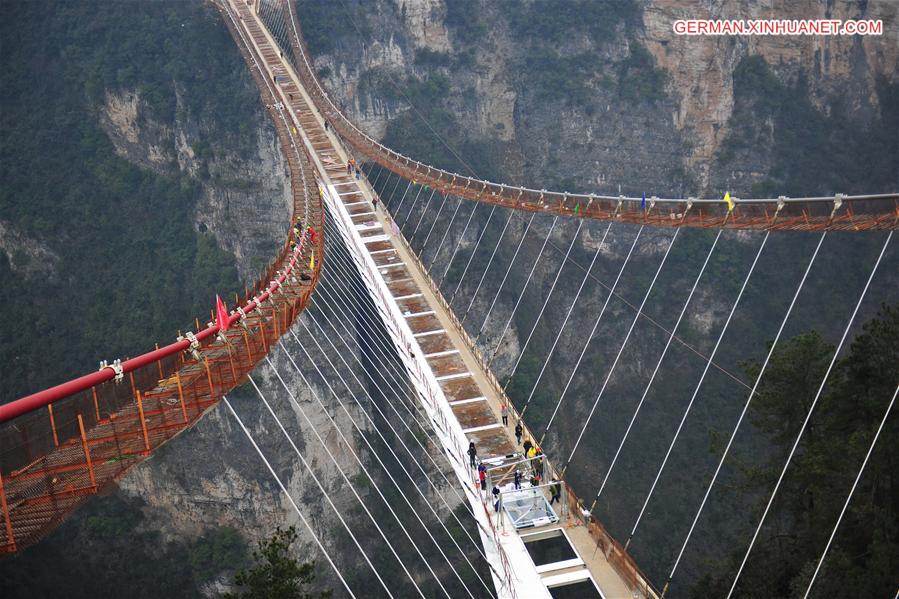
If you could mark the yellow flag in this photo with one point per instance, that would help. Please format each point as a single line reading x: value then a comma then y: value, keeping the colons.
x: 312, y: 261
x: 728, y: 201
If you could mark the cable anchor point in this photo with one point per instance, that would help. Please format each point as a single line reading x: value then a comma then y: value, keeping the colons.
x: 116, y: 367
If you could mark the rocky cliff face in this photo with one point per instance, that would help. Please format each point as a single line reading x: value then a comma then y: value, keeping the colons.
x: 632, y: 105
x: 245, y: 202
x: 701, y: 69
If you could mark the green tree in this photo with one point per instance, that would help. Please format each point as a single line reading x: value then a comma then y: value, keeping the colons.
x: 276, y: 574
x: 865, y: 554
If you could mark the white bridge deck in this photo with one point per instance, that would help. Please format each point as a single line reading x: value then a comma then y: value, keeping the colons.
x: 456, y: 390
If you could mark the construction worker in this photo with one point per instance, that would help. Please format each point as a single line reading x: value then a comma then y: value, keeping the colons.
x: 518, y: 431
x: 555, y: 492
x: 472, y: 454
x: 495, y: 498
x: 527, y: 446
x: 504, y: 412
x: 517, y: 479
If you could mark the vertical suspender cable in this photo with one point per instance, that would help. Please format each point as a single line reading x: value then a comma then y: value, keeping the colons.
x: 420, y: 218
x: 445, y: 234
x: 658, y: 365
x: 524, y: 234
x: 424, y: 244
x: 568, y: 314
x: 477, y: 244
x: 489, y: 263
x: 411, y: 208
x: 459, y: 243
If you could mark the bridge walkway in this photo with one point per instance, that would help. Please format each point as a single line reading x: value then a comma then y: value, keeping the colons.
x: 473, y: 395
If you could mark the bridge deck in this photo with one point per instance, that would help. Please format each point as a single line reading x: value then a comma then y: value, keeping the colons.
x: 474, y: 401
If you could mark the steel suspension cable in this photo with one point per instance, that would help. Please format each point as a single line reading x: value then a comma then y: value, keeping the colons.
x: 374, y: 186
x: 459, y: 244
x: 654, y: 322
x: 321, y: 488
x: 389, y: 367
x: 810, y: 410
x: 406, y: 447
x: 549, y: 295
x: 343, y: 475
x: 656, y: 369
x: 411, y: 208
x: 475, y: 175
x: 445, y: 234
x: 402, y: 199
x: 424, y: 245
x: 487, y: 268
x: 621, y: 349
x: 851, y: 493
x: 523, y: 290
x: 399, y: 206
x: 389, y: 447
x: 420, y: 218
x: 477, y: 244
x: 568, y: 314
x: 290, y: 499
x: 364, y: 438
x: 524, y: 234
x: 733, y: 434
x: 392, y: 193
x: 580, y: 357
x: 698, y: 386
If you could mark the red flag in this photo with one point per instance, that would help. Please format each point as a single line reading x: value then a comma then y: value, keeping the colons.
x: 221, y: 314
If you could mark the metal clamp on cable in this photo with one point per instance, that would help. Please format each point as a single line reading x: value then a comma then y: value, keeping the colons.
x: 116, y: 367
x: 837, y: 202
x: 194, y: 344
x: 243, y: 317
x: 781, y: 202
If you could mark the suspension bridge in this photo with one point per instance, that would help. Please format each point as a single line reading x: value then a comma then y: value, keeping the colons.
x: 354, y: 236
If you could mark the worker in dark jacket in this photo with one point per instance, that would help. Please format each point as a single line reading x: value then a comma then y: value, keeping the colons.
x: 472, y: 454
